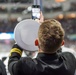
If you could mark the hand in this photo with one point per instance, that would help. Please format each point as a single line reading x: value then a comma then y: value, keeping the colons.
x: 41, y: 18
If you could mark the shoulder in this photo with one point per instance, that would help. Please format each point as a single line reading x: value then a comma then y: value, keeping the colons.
x: 26, y: 61
x: 66, y: 49
x: 68, y: 56
x: 69, y: 60
x: 24, y: 66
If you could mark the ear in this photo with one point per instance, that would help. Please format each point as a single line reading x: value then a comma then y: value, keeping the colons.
x: 62, y: 43
x: 36, y: 42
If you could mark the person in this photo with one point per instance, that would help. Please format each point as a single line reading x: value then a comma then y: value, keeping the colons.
x: 48, y: 61
x: 2, y: 68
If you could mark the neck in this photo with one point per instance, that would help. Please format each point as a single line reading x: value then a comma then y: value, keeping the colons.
x: 42, y: 51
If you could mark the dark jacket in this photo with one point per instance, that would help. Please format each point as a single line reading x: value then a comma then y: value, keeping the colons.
x: 44, y: 64
x: 2, y: 68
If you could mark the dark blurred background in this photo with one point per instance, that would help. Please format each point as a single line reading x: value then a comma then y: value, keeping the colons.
x: 13, y: 11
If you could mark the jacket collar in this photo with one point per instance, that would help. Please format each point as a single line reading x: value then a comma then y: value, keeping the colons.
x: 45, y: 56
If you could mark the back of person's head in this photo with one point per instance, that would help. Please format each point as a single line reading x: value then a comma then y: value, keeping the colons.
x: 50, y: 36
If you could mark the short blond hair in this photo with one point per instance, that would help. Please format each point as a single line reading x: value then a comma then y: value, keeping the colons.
x: 50, y: 35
